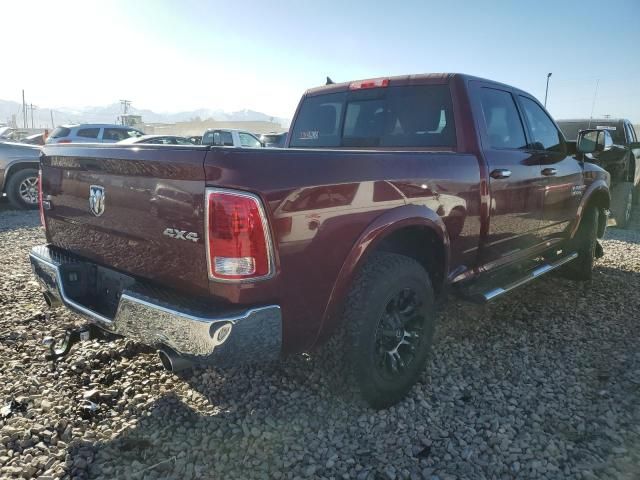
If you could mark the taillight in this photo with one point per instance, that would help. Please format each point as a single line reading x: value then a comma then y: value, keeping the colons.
x: 238, y: 242
x: 373, y: 83
x: 40, y: 199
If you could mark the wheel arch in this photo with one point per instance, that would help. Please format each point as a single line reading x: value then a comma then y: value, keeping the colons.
x: 597, y: 194
x: 15, y: 167
x: 401, y: 230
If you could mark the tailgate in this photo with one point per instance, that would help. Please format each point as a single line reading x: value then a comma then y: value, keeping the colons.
x: 137, y: 209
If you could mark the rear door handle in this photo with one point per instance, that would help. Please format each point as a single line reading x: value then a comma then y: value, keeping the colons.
x: 548, y: 172
x: 500, y: 173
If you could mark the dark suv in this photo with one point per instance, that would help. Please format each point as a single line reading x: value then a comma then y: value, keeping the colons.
x: 622, y: 161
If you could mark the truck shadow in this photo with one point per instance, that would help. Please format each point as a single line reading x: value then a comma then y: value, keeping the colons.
x: 11, y: 219
x: 489, y: 362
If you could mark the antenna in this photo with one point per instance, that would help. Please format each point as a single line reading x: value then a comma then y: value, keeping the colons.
x: 24, y: 110
x: 593, y: 105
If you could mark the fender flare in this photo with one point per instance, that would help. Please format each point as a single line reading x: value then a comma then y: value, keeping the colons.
x: 380, y: 228
x: 598, y: 187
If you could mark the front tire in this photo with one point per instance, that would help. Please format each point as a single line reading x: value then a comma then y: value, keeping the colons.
x: 22, y: 189
x: 622, y: 203
x: 585, y: 243
x: 390, y: 319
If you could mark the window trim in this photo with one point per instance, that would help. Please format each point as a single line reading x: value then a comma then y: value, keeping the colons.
x: 531, y: 141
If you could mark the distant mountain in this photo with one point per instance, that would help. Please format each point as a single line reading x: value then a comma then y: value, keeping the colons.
x: 110, y: 114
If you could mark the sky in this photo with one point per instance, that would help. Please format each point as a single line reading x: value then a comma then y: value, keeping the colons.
x: 171, y: 56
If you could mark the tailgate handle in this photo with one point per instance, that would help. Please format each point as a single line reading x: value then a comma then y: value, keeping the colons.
x: 548, y: 172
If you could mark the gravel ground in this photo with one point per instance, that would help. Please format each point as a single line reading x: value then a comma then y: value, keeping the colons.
x: 543, y: 384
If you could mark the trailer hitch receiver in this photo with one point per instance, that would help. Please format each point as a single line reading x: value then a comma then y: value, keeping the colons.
x: 60, y: 348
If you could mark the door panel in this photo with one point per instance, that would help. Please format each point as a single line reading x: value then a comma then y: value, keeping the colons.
x: 515, y: 207
x: 563, y: 181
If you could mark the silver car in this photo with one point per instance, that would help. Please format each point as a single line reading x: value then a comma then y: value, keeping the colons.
x: 92, y: 133
x: 19, y: 165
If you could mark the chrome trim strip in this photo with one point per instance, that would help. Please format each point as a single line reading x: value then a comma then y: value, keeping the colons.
x: 537, y: 272
x: 251, y: 335
x: 265, y: 227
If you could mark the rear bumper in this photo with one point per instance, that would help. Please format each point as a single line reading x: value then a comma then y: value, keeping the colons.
x: 161, y: 321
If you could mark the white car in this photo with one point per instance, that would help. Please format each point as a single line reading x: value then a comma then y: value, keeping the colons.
x: 92, y: 133
x: 230, y: 137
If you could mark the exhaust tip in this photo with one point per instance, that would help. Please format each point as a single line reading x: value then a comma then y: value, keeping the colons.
x: 173, y: 362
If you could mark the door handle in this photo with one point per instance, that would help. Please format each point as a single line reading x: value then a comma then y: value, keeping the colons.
x: 500, y: 173
x: 548, y: 172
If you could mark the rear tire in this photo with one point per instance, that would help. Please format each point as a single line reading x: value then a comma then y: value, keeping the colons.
x: 22, y: 189
x: 389, y: 319
x: 622, y: 203
x: 585, y: 243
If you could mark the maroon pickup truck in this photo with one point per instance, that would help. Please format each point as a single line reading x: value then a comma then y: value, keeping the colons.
x: 390, y: 193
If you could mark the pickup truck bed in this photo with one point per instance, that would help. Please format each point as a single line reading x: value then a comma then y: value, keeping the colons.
x: 221, y: 255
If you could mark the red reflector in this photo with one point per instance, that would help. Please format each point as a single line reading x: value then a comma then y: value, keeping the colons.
x: 373, y: 83
x: 238, y: 246
x: 65, y: 140
x: 40, y: 199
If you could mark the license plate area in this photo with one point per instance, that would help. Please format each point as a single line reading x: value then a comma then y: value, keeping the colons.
x: 94, y: 287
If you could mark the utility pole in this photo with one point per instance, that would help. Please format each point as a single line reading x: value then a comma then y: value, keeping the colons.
x: 24, y: 111
x: 53, y: 125
x: 32, y: 107
x: 125, y: 108
x: 546, y: 92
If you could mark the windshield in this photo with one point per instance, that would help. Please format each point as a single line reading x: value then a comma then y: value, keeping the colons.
x: 406, y: 116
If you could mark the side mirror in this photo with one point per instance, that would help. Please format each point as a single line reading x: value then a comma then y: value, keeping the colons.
x: 594, y: 140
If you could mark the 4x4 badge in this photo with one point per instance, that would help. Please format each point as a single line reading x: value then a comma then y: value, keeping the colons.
x: 96, y: 199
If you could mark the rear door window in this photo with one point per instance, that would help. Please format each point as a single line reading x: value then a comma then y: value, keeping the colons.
x: 403, y: 116
x: 503, y: 124
x: 88, y: 132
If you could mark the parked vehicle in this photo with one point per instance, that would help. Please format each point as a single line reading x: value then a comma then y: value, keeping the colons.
x: 92, y: 133
x: 622, y: 161
x: 159, y: 140
x: 37, y: 139
x: 273, y: 140
x: 230, y: 138
x: 19, y: 174
x: 395, y: 192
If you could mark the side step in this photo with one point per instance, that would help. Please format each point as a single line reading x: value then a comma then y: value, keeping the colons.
x: 476, y: 293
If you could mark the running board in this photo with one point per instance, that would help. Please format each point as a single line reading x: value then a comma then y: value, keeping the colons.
x: 538, y: 271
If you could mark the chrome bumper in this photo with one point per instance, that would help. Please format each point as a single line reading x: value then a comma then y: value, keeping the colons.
x: 221, y: 338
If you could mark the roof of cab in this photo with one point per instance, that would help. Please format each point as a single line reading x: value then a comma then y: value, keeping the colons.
x: 416, y: 79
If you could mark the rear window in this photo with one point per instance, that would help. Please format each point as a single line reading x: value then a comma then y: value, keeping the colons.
x: 118, y: 134
x: 218, y: 138
x: 407, y: 116
x: 60, y: 132
x: 571, y: 129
